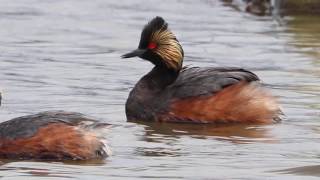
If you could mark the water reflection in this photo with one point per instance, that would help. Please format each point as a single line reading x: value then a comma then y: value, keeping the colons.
x: 158, y: 152
x: 306, y: 37
x: 237, y: 133
x: 39, y: 172
x: 48, y: 169
x: 303, y: 170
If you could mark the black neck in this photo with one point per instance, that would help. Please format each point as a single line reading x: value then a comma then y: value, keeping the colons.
x: 160, y: 77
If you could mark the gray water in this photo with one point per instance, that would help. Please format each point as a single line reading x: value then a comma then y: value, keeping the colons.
x: 65, y: 55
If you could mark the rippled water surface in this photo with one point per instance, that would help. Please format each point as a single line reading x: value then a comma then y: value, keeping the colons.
x: 65, y: 55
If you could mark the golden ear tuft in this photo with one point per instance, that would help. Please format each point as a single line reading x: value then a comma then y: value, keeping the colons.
x: 168, y: 48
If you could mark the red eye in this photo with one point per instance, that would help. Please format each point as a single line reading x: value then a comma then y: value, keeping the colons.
x: 152, y: 45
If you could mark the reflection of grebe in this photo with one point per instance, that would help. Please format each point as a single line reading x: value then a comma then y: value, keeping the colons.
x: 53, y: 135
x: 202, y: 95
x: 236, y: 133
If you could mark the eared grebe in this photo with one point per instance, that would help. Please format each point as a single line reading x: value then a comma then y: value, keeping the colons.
x: 53, y: 135
x: 171, y: 93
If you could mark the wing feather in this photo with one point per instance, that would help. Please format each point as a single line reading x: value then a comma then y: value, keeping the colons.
x: 198, y: 81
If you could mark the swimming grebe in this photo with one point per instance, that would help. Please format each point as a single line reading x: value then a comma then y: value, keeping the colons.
x: 171, y: 93
x: 53, y: 135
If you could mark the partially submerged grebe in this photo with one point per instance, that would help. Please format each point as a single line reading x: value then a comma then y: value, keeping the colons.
x: 52, y: 135
x: 171, y: 93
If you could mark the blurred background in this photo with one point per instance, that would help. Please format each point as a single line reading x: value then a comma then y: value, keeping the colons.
x: 57, y: 54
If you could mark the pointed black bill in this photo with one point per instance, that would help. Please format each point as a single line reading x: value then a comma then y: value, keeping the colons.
x: 137, y: 52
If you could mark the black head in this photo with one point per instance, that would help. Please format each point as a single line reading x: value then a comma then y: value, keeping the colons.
x: 159, y: 45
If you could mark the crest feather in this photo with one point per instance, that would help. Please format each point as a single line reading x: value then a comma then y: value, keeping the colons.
x: 154, y: 25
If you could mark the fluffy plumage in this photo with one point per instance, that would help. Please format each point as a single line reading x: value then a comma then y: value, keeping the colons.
x: 56, y: 135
